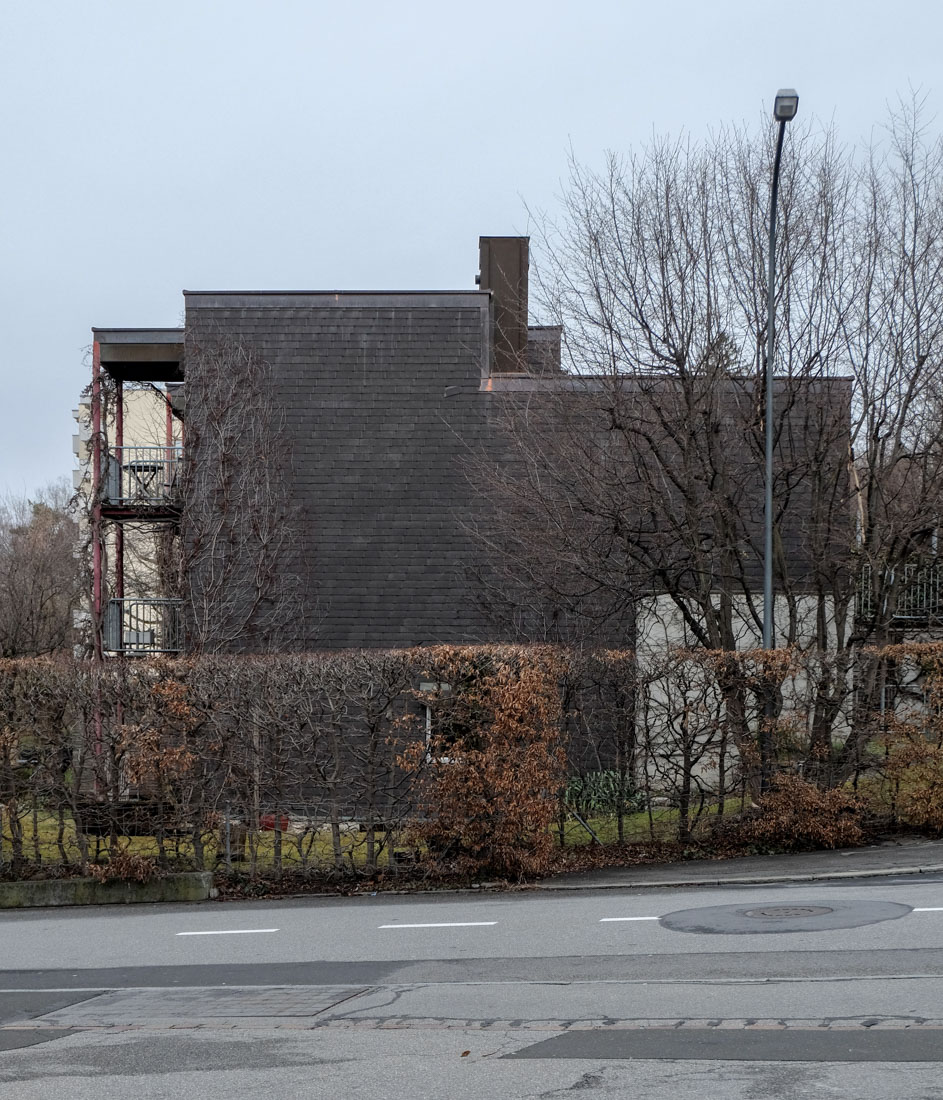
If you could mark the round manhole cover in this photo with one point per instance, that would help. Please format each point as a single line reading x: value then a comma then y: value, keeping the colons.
x: 786, y: 912
x: 762, y: 920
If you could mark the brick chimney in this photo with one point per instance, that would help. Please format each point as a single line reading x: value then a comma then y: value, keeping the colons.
x: 503, y: 265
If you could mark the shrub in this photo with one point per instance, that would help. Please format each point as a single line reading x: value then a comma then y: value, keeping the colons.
x: 914, y: 764
x: 124, y: 866
x: 602, y: 793
x: 489, y: 776
x: 797, y: 815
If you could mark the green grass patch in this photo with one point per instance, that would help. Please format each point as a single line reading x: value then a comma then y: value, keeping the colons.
x: 313, y: 849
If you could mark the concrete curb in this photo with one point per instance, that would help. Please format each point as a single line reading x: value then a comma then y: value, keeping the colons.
x: 39, y: 893
x: 550, y: 887
x: 744, y: 880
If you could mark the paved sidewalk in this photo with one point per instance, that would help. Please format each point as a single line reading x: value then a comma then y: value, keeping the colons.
x: 905, y: 856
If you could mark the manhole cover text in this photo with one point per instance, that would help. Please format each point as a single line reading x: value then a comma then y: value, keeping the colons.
x: 785, y: 912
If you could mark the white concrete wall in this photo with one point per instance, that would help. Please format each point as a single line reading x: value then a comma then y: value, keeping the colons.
x: 679, y: 702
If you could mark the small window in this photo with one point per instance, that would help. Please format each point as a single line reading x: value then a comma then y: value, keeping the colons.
x: 434, y: 692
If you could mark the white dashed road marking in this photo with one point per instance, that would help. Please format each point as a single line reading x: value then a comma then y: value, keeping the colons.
x: 460, y: 924
x: 449, y: 924
x: 230, y: 932
x: 604, y: 920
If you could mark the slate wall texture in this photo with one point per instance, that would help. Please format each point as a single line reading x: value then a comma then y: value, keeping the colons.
x: 381, y: 395
x: 387, y: 395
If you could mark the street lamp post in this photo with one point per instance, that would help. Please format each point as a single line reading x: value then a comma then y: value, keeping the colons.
x: 784, y: 109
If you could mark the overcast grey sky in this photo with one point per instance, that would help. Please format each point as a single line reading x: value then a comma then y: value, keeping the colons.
x: 241, y: 144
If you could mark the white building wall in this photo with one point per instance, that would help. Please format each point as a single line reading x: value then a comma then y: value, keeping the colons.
x: 680, y: 707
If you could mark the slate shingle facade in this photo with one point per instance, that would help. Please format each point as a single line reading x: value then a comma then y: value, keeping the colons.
x: 385, y: 394
x: 382, y: 393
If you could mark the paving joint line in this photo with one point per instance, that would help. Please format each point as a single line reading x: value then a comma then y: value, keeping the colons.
x: 303, y: 1023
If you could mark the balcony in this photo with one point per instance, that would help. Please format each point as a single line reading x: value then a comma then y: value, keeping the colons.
x: 142, y: 477
x: 143, y: 628
x: 916, y: 590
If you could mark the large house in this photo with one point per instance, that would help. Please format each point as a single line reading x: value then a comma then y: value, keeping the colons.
x: 377, y: 398
x: 297, y: 468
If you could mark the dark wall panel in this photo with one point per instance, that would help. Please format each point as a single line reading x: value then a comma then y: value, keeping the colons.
x: 376, y: 451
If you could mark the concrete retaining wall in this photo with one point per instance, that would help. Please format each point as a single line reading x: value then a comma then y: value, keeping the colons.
x: 195, y: 886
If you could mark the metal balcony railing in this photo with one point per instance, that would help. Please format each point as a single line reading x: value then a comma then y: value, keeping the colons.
x: 142, y: 475
x: 916, y: 589
x: 142, y: 628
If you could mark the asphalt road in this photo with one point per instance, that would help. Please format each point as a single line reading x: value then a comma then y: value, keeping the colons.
x: 812, y: 989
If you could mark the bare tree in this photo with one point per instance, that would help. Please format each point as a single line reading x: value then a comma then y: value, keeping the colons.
x: 238, y: 567
x: 635, y: 480
x: 40, y: 577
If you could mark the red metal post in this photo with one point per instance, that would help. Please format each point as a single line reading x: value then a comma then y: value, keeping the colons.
x: 97, y: 558
x: 119, y: 461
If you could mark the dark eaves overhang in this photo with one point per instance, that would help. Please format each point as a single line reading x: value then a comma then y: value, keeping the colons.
x: 141, y: 354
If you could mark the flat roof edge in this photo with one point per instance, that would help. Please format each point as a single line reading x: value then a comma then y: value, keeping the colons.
x: 523, y: 381
x: 335, y: 293
x: 140, y: 335
x: 287, y: 299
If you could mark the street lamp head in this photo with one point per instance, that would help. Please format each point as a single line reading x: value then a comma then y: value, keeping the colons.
x: 786, y: 104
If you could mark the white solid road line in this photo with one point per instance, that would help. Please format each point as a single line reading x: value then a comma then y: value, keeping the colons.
x: 230, y: 932
x: 929, y: 909
x: 604, y: 920
x: 449, y: 924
